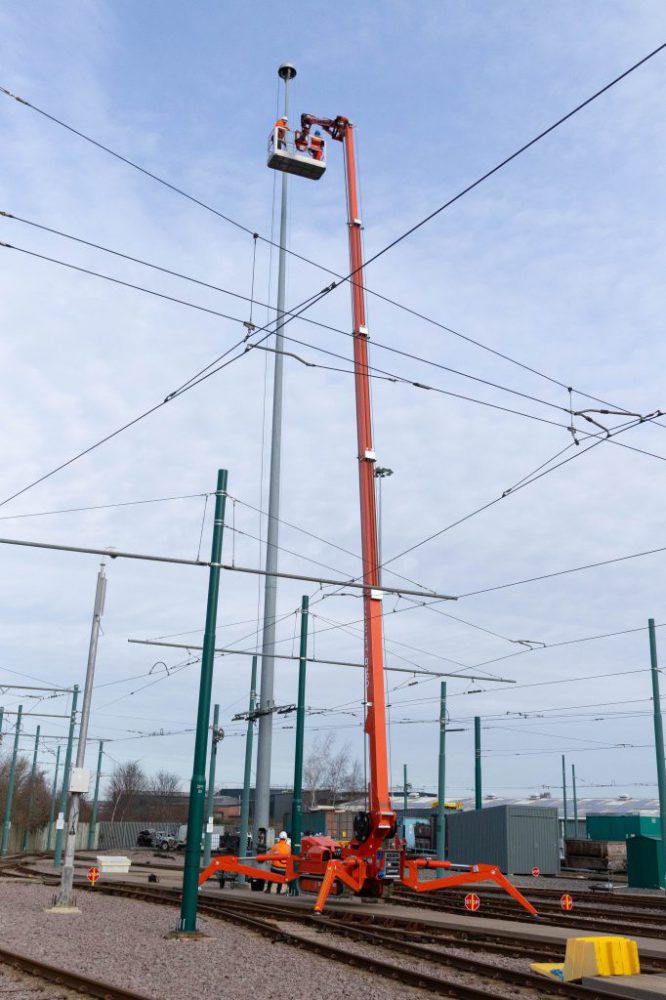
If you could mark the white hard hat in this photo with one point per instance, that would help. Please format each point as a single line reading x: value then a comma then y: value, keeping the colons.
x: 283, y: 836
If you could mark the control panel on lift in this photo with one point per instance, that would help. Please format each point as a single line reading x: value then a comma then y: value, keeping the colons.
x: 294, y: 154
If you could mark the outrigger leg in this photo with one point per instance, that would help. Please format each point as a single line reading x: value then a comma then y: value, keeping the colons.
x: 468, y: 876
x: 351, y: 872
x: 230, y: 863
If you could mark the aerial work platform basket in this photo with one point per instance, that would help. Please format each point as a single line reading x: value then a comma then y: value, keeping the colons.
x: 283, y: 154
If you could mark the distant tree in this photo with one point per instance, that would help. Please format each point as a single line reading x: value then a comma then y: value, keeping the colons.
x: 335, y: 777
x: 316, y: 765
x: 127, y: 785
x: 163, y: 788
x: 32, y: 797
x: 354, y: 783
x: 330, y: 769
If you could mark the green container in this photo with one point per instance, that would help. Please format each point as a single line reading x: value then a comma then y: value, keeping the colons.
x: 645, y: 863
x: 609, y: 826
x: 314, y: 822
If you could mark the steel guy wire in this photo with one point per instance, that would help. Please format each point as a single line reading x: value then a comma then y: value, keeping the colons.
x: 103, y: 506
x: 203, y: 524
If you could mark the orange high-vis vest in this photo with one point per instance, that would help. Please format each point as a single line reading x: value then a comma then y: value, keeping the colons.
x: 279, y: 853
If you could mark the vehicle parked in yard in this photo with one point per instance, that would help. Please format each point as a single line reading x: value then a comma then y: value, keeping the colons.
x: 161, y: 840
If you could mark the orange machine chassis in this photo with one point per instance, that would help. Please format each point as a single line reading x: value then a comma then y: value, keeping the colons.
x: 355, y: 873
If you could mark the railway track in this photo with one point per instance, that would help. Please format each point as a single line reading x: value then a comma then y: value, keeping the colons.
x: 67, y: 979
x: 585, y: 896
x: 375, y: 935
x: 584, y: 915
x: 378, y: 943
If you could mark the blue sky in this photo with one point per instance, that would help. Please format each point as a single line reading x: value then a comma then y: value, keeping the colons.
x: 558, y: 262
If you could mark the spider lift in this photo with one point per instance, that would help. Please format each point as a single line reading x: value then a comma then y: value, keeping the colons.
x: 368, y: 862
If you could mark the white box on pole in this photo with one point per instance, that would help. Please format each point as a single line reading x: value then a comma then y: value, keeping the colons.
x: 80, y: 780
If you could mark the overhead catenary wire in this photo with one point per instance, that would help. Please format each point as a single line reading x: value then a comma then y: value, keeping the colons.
x: 541, y: 135
x: 306, y: 319
x: 201, y: 376
x: 565, y: 572
x: 335, y: 284
x: 373, y: 371
x: 520, y: 485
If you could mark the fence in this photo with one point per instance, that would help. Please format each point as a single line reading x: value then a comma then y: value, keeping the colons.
x: 112, y: 836
x: 108, y: 836
x: 37, y: 840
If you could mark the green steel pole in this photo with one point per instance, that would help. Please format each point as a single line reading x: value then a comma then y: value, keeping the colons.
x: 575, y: 798
x: 53, y: 800
x: 564, y: 795
x: 10, y: 789
x: 245, y: 801
x: 478, y: 788
x: 441, y: 778
x: 32, y: 790
x: 60, y: 824
x: 658, y: 736
x: 214, y: 740
x: 405, y: 791
x: 195, y: 814
x: 297, y: 802
x: 93, y: 817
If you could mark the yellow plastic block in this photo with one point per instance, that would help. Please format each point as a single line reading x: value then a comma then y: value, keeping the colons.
x: 548, y: 969
x: 600, y: 956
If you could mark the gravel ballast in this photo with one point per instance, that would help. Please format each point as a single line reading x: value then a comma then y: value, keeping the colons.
x: 16, y: 985
x: 126, y: 943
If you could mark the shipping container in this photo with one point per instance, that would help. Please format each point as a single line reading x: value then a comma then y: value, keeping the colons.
x: 515, y: 838
x: 610, y: 826
x: 645, y: 863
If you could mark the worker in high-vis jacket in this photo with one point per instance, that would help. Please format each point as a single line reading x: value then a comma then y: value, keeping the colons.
x: 279, y: 853
x: 282, y: 128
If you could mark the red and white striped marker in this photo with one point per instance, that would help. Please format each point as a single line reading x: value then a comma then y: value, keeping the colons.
x: 472, y: 901
x: 566, y: 902
x: 536, y: 872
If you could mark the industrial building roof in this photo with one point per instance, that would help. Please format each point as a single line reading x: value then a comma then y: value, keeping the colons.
x: 616, y: 804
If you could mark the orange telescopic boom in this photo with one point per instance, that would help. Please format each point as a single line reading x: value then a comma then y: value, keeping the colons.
x: 364, y: 865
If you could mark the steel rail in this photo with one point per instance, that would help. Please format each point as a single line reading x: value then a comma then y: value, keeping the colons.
x: 587, y: 897
x: 650, y: 926
x: 64, y: 977
x: 398, y: 934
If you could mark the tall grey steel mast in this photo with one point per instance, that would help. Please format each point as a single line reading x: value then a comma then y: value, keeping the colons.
x: 265, y: 737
